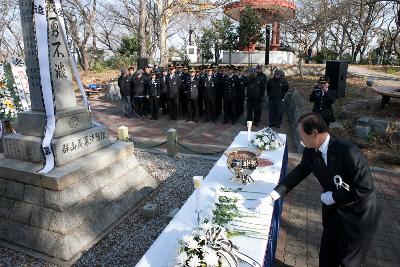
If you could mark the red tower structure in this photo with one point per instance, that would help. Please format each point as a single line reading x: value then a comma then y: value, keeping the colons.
x: 270, y: 11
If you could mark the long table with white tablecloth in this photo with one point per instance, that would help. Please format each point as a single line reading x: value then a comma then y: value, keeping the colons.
x: 163, y: 251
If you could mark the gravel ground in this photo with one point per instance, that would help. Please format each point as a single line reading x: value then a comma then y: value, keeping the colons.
x: 127, y: 243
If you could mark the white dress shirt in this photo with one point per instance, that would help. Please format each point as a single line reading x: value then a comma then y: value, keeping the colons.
x: 324, y: 151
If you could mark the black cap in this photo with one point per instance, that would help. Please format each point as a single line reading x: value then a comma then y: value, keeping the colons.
x: 324, y: 79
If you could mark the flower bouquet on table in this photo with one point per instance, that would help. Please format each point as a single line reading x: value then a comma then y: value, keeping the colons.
x: 267, y: 139
x: 233, y: 212
x: 208, y: 246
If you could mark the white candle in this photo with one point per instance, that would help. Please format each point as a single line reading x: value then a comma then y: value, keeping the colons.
x: 197, y: 180
x: 249, y: 124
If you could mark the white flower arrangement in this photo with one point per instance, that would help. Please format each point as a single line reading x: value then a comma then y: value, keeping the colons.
x: 9, y: 104
x: 194, y: 249
x: 267, y: 139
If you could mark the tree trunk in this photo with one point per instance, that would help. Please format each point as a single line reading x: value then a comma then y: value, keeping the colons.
x: 164, y: 22
x: 84, y: 58
x: 142, y: 29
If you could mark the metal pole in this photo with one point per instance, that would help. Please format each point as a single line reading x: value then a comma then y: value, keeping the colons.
x: 267, y: 37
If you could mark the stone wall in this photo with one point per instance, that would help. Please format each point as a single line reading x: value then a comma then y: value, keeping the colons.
x: 111, y: 92
x: 62, y: 213
x: 295, y: 108
x: 294, y: 70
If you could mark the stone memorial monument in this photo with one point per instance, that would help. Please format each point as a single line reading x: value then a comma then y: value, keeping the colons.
x: 63, y: 212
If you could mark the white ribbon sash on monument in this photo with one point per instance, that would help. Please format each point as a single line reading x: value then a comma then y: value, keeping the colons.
x: 61, y: 22
x: 21, y: 82
x: 45, y: 82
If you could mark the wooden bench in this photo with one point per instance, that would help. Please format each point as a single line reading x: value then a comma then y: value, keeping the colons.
x: 90, y: 90
x: 387, y: 92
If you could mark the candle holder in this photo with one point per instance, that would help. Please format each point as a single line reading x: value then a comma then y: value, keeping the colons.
x: 197, y: 181
x: 249, y: 124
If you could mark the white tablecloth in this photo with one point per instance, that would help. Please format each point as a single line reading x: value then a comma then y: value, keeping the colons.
x: 163, y: 251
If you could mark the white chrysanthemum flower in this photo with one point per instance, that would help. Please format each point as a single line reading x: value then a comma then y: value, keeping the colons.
x: 206, y: 249
x: 206, y: 226
x: 186, y: 239
x: 197, y: 232
x: 182, y: 258
x: 194, y: 261
x: 192, y: 244
x: 211, y: 259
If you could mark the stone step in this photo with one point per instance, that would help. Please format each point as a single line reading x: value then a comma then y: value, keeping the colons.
x: 62, y: 177
x: 62, y: 223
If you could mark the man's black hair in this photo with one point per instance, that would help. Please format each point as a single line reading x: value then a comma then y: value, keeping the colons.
x: 312, y: 121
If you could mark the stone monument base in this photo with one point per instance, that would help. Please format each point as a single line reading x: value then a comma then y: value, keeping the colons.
x: 68, y: 121
x: 65, y: 149
x: 60, y: 214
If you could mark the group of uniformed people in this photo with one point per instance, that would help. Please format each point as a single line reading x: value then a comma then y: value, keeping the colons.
x: 204, y: 92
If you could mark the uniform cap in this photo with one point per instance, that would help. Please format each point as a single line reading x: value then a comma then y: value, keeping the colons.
x: 324, y: 79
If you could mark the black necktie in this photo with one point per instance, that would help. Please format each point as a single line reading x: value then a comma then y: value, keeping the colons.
x: 320, y: 159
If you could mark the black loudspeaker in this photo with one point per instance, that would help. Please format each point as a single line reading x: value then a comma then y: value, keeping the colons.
x: 336, y: 70
x: 142, y: 62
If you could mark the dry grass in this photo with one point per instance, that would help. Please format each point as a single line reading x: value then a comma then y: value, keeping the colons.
x: 98, y: 77
x: 359, y: 101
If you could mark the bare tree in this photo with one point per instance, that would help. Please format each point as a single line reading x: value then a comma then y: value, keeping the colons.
x: 11, y: 43
x: 80, y: 16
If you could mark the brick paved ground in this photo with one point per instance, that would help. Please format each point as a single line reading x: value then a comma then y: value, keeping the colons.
x: 301, y: 228
x: 110, y: 114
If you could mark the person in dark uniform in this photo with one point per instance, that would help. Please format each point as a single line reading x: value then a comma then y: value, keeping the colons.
x: 124, y: 82
x: 242, y: 90
x: 220, y: 90
x: 164, y: 96
x: 192, y: 93
x: 277, y: 88
x: 350, y: 213
x: 323, y: 99
x: 147, y: 77
x: 183, y: 102
x: 229, y: 97
x: 210, y: 83
x: 201, y: 76
x: 139, y: 87
x: 262, y: 74
x: 174, y: 85
x: 255, y: 94
x: 132, y: 76
x: 153, y: 95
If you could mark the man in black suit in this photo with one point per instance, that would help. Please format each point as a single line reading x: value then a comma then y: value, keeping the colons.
x: 350, y: 213
x: 229, y: 96
x: 192, y: 94
x: 174, y: 85
x: 153, y: 95
x: 210, y: 83
x: 164, y: 96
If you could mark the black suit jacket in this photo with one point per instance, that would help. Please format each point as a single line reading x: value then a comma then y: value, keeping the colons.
x: 174, y: 84
x: 357, y: 208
